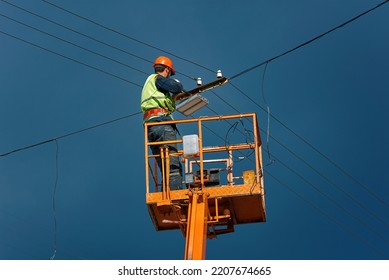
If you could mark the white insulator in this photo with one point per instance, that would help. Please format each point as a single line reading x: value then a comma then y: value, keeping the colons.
x: 219, y: 74
x: 199, y: 82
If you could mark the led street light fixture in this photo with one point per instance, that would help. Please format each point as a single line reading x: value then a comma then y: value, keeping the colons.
x: 192, y: 104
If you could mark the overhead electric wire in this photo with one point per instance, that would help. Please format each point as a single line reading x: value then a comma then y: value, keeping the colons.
x: 322, y: 193
x: 90, y: 37
x: 73, y: 44
x: 289, y: 129
x: 71, y: 59
x: 125, y: 35
x: 264, y: 63
x: 54, y: 204
x: 308, y: 42
x: 333, y: 219
x: 92, y: 51
x: 331, y: 182
x: 252, y: 68
x: 341, y: 169
x: 306, y: 163
x: 338, y: 205
x: 346, y: 173
x: 75, y: 31
x: 368, y: 209
x: 68, y: 134
x: 268, y: 116
x: 300, y: 137
x: 46, y: 1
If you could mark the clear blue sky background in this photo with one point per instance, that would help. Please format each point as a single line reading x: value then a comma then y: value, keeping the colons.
x: 333, y: 93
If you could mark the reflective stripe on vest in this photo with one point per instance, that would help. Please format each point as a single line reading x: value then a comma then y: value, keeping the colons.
x: 153, y: 98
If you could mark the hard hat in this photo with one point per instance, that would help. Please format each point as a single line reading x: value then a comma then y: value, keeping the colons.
x: 165, y: 61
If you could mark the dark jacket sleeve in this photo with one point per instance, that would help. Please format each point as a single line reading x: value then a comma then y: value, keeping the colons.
x: 166, y: 85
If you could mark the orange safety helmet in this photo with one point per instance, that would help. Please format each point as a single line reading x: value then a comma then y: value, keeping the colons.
x: 165, y: 61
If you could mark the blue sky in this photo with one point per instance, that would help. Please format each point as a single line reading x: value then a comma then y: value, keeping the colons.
x: 327, y: 192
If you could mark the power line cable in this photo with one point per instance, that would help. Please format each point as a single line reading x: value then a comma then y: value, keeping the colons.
x: 247, y: 70
x: 305, y: 162
x: 338, y: 205
x: 268, y: 115
x: 298, y: 157
x: 347, y: 174
x: 68, y: 134
x: 309, y: 41
x: 73, y: 44
x: 328, y: 197
x: 87, y: 36
x: 50, y: 139
x: 75, y: 31
x: 292, y: 50
x: 340, y: 168
x: 331, y: 182
x: 125, y: 35
x: 71, y: 59
x: 202, y: 66
x: 84, y: 130
x: 333, y: 219
x: 54, y: 200
x: 311, y: 167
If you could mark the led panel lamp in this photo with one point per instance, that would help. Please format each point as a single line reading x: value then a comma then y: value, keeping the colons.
x: 192, y: 104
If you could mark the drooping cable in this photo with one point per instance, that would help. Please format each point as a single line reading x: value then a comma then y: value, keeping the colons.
x: 54, y: 200
x: 268, y: 115
x: 247, y: 133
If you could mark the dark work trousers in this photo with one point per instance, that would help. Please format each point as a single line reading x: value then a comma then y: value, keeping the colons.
x: 167, y: 132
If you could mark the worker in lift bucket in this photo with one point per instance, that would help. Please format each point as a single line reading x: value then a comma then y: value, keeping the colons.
x: 158, y: 105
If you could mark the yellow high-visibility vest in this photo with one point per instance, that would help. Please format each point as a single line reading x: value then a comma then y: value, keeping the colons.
x: 153, y: 98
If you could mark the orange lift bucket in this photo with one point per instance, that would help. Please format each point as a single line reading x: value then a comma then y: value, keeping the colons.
x: 223, y: 183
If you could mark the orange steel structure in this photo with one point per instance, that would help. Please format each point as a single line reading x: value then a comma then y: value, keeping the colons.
x: 206, y: 207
